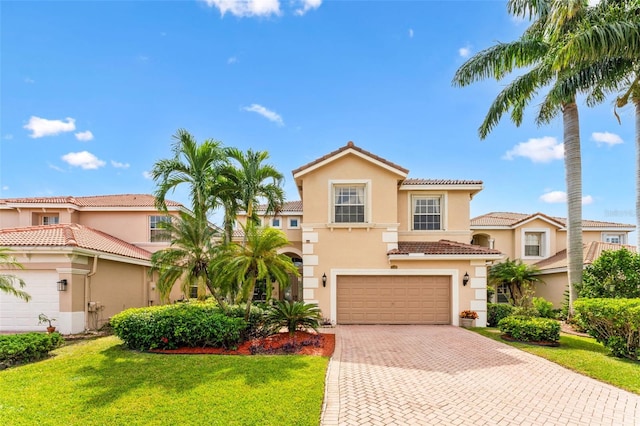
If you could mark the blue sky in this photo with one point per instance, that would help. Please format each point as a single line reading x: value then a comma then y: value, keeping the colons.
x: 91, y: 93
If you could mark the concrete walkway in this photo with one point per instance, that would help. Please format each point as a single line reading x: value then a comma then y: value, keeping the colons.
x: 423, y: 375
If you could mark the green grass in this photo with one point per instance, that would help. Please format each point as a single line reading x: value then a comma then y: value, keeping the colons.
x: 100, y: 382
x: 583, y: 355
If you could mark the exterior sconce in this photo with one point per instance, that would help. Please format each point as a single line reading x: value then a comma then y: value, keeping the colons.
x: 465, y: 279
x: 62, y: 285
x: 324, y: 280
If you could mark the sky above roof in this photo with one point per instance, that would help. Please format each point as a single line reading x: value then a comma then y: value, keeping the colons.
x: 91, y: 93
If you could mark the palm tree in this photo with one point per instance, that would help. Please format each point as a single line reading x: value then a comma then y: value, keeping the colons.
x: 254, y: 180
x: 257, y: 259
x: 188, y: 258
x: 192, y: 163
x: 518, y: 276
x: 537, y: 50
x: 8, y: 282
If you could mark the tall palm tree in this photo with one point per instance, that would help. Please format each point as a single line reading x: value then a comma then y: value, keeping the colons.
x: 537, y: 51
x: 194, y: 164
x: 188, y: 258
x: 253, y: 181
x: 8, y: 282
x: 258, y: 259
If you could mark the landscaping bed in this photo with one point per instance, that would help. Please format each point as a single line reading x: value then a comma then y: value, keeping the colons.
x: 305, y: 343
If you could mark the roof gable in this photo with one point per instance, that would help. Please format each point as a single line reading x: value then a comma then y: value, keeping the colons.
x: 89, y: 202
x: 514, y: 220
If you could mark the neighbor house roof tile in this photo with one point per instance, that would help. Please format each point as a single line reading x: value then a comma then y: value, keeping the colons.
x: 414, y: 181
x: 288, y: 206
x: 116, y: 200
x: 70, y: 235
x: 442, y: 247
x: 350, y: 145
x: 511, y: 219
x: 590, y: 252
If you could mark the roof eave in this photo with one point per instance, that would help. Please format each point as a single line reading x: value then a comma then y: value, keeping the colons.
x: 422, y: 256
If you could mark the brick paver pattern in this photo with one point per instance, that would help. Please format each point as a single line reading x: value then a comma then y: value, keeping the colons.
x: 423, y: 375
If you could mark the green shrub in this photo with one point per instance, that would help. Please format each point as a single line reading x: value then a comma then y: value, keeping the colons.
x: 613, y: 322
x: 256, y: 326
x: 294, y: 316
x: 615, y: 274
x: 497, y: 311
x: 527, y: 329
x: 22, y: 348
x: 544, y: 308
x: 173, y: 326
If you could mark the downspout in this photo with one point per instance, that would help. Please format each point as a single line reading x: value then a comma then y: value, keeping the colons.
x: 87, y: 289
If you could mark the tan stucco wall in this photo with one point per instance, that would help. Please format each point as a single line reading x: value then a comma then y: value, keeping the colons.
x: 553, y: 289
x: 9, y: 219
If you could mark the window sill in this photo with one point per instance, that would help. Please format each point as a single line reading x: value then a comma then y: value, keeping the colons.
x: 350, y: 226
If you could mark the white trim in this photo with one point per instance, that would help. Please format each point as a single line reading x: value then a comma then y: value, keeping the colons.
x: 279, y: 219
x: 289, y: 226
x: 545, y: 243
x: 444, y: 204
x: 346, y: 152
x: 73, y: 271
x: 453, y: 273
x: 622, y: 235
x: 367, y: 200
x: 544, y: 219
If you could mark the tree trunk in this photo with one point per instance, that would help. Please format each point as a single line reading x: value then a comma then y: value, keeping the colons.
x: 636, y: 102
x: 573, y: 176
x: 252, y: 286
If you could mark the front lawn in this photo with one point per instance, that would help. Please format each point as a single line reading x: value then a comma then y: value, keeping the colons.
x: 99, y: 382
x: 583, y: 355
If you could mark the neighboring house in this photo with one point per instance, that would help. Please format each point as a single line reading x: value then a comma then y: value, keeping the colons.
x: 541, y: 240
x: 378, y: 247
x: 85, y: 258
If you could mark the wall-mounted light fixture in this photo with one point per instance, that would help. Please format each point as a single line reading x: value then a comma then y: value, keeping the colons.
x: 465, y: 279
x: 62, y: 285
x: 324, y: 280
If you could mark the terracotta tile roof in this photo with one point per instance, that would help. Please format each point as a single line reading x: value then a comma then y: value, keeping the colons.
x: 591, y: 252
x: 117, y: 200
x: 442, y: 247
x: 441, y: 182
x: 349, y: 145
x: 512, y: 219
x: 70, y: 235
x: 288, y: 206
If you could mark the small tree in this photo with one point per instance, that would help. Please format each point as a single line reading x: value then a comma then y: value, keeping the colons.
x: 615, y: 274
x: 294, y: 316
x: 8, y: 282
x: 519, y: 278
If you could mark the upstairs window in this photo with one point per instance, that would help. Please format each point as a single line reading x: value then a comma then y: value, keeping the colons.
x: 427, y: 213
x: 349, y: 204
x: 275, y: 222
x: 535, y: 244
x: 294, y: 223
x: 157, y: 231
x: 614, y: 238
x: 50, y: 220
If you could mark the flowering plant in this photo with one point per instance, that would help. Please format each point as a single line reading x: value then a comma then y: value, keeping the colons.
x: 469, y: 314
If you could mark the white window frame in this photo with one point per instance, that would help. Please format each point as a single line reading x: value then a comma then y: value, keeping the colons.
x: 273, y: 222
x: 621, y: 235
x: 152, y: 229
x: 545, y: 244
x: 292, y: 226
x: 365, y: 183
x: 416, y: 196
x: 47, y: 219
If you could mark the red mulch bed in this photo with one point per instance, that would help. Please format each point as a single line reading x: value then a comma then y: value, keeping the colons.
x: 305, y: 344
x: 531, y: 342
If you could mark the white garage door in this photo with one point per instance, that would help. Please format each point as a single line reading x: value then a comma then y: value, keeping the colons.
x: 18, y: 315
x: 394, y: 299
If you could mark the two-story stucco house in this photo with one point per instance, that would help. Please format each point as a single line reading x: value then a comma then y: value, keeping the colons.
x: 85, y: 258
x: 379, y: 247
x: 541, y: 240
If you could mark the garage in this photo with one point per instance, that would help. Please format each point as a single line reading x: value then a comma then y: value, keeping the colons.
x: 18, y: 315
x: 393, y: 299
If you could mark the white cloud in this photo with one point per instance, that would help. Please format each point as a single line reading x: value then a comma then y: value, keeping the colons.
x: 307, y: 5
x: 5, y: 188
x: 56, y: 168
x: 538, y: 150
x: 42, y: 127
x: 410, y: 32
x: 119, y: 165
x: 232, y: 60
x: 553, y: 197
x: 84, y: 136
x: 268, y: 114
x: 464, y: 52
x: 246, y: 7
x: 606, y: 138
x: 29, y: 80
x: 147, y: 175
x: 84, y: 160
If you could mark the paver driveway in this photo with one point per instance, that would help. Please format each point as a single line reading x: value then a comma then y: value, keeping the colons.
x: 383, y: 375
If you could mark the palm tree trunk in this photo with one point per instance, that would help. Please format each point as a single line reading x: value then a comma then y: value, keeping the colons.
x: 573, y: 176
x: 636, y: 102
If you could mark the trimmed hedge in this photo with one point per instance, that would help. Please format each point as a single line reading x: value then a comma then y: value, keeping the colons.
x: 21, y: 348
x: 497, y: 311
x: 179, y: 325
x: 613, y: 322
x: 527, y: 329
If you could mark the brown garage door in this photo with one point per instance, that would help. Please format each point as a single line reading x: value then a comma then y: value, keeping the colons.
x: 394, y: 299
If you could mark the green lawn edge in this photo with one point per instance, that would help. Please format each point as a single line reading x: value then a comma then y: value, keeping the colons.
x: 583, y: 355
x: 101, y: 382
